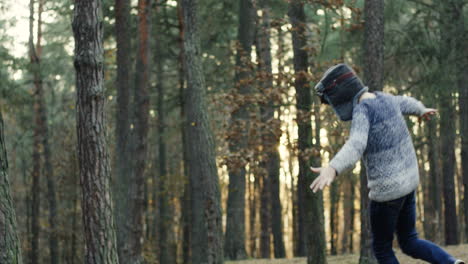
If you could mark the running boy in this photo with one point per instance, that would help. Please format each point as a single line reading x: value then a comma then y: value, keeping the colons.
x: 380, y: 136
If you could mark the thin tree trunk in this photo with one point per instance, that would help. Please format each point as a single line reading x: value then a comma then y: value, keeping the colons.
x: 37, y: 141
x: 462, y: 77
x: 448, y: 13
x: 167, y: 246
x: 122, y: 127
x: 366, y: 255
x: 10, y: 246
x: 48, y: 170
x: 186, y: 203
x: 234, y: 247
x: 99, y: 230
x: 135, y: 223
x: 207, y: 242
x: 373, y: 77
x: 310, y: 206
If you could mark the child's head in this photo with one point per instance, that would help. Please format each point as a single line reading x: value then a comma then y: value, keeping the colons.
x: 340, y: 87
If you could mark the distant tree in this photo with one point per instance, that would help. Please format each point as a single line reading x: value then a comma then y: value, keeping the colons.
x: 373, y: 58
x: 132, y: 253
x: 311, y: 233
x: 449, y: 12
x: 10, y: 247
x: 206, y: 239
x: 122, y: 165
x: 98, y: 219
x: 234, y: 245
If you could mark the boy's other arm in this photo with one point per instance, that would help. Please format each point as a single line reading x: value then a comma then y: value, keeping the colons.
x: 353, y: 149
x: 349, y: 154
x: 411, y: 106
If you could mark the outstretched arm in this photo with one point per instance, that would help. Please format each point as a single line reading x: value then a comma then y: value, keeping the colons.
x: 411, y: 106
x: 349, y: 154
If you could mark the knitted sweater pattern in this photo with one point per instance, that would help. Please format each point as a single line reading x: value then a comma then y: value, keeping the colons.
x: 380, y: 136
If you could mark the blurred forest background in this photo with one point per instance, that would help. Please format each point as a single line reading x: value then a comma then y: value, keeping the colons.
x: 204, y: 123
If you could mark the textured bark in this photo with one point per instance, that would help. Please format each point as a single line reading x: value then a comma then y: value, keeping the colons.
x: 207, y: 242
x: 366, y: 255
x: 133, y: 249
x: 10, y: 247
x: 373, y: 58
x: 374, y: 43
x: 348, y: 214
x: 434, y: 213
x: 448, y: 13
x: 37, y: 141
x: 334, y: 217
x: 44, y: 134
x: 186, y: 202
x: 310, y: 206
x: 269, y: 128
x: 167, y: 245
x: 234, y: 246
x: 122, y: 166
x: 99, y: 230
x: 462, y: 79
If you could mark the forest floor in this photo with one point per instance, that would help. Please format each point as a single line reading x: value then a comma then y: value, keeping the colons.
x: 460, y: 251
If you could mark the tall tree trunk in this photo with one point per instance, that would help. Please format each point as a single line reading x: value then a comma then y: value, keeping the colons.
x: 48, y: 170
x: 186, y: 202
x: 135, y: 223
x: 366, y: 256
x: 98, y: 220
x: 37, y: 140
x: 167, y: 245
x: 434, y: 213
x: 310, y: 206
x: 267, y: 140
x: 234, y: 247
x: 122, y: 127
x: 10, y: 247
x: 462, y: 78
x: 207, y: 239
x: 448, y: 13
x: 373, y: 58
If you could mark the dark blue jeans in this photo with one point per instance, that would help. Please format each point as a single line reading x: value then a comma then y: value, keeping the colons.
x: 399, y: 216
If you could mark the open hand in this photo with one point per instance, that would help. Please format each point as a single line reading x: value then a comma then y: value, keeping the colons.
x: 327, y: 175
x: 428, y: 113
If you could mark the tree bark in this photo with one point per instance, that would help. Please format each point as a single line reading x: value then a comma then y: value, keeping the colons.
x: 374, y: 44
x: 135, y: 223
x: 366, y: 256
x: 167, y: 245
x: 234, y: 247
x: 373, y: 58
x: 207, y: 239
x: 10, y: 246
x: 462, y: 79
x: 448, y: 13
x: 37, y: 142
x: 99, y: 230
x: 122, y: 128
x: 186, y: 202
x: 310, y: 206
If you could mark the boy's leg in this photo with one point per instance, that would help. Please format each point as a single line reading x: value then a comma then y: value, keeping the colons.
x: 408, y: 237
x: 383, y: 218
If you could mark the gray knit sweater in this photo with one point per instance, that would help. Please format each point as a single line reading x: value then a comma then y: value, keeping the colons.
x: 379, y: 134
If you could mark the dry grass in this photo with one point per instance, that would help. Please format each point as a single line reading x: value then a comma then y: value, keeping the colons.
x: 460, y: 251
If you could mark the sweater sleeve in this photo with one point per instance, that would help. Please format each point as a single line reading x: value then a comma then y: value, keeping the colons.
x: 409, y: 105
x: 353, y: 149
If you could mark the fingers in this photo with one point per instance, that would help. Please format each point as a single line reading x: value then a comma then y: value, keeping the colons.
x: 319, y: 183
x: 316, y: 170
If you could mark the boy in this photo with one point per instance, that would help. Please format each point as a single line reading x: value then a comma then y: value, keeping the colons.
x: 379, y: 134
